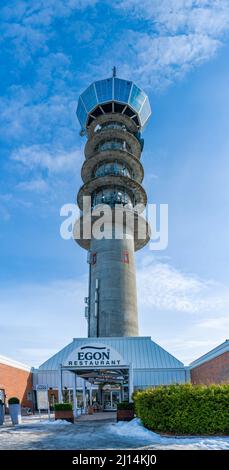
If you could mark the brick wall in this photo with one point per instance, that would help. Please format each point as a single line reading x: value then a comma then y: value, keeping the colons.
x: 214, y: 371
x: 16, y: 383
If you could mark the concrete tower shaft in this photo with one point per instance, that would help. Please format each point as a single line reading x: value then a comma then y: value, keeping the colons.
x: 112, y: 175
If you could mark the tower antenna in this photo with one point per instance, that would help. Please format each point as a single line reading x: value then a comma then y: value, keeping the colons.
x: 114, y: 71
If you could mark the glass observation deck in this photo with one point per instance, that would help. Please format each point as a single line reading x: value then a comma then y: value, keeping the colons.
x: 128, y: 98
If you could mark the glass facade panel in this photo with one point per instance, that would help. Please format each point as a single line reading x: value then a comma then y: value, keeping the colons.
x: 145, y: 112
x: 113, y: 168
x: 100, y: 92
x: 113, y: 125
x: 81, y: 114
x: 111, y: 196
x: 89, y: 98
x: 121, y: 90
x: 136, y: 98
x: 104, y: 90
x: 114, y: 144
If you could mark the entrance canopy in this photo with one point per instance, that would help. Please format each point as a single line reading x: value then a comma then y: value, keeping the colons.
x: 94, y: 355
x: 96, y: 358
x: 97, y: 363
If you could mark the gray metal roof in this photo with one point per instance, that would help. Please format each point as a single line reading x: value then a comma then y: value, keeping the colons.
x: 222, y: 348
x: 113, y: 89
x: 142, y: 352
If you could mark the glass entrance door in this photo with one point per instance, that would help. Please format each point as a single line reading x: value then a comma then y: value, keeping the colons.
x: 110, y: 399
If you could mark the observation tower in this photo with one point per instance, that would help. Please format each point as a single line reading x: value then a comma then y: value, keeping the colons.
x: 112, y: 113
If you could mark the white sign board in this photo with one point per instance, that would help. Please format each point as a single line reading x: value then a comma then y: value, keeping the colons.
x: 42, y: 397
x: 94, y: 355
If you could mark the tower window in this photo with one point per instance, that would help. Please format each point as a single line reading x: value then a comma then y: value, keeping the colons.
x: 113, y: 144
x: 125, y: 257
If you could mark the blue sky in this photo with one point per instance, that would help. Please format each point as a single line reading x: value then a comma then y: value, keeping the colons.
x: 50, y: 52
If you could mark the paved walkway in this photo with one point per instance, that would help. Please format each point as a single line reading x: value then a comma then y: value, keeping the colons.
x: 109, y: 416
x: 95, y: 434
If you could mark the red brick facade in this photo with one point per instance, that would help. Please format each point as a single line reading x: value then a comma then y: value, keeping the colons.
x: 16, y: 383
x: 214, y: 371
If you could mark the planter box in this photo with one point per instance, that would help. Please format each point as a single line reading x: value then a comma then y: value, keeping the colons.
x: 90, y: 410
x: 2, y: 412
x: 125, y: 415
x: 67, y: 415
x: 15, y: 413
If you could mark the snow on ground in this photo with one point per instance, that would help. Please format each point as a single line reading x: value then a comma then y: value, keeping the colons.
x: 135, y: 430
x: 34, y: 433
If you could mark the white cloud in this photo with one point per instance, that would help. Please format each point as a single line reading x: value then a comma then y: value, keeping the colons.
x: 38, y: 185
x: 188, y: 348
x: 44, y: 157
x: 178, y: 35
x: 215, y: 323
x: 28, y: 25
x: 29, y: 114
x: 37, y: 319
x: 173, y: 16
x: 163, y: 287
x: 165, y: 296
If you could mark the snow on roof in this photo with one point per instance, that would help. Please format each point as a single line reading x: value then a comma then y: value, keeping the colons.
x: 141, y: 351
x: 12, y: 363
x: 222, y: 348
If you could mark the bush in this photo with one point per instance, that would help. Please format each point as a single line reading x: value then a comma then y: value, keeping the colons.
x: 184, y: 409
x: 1, y: 402
x: 63, y: 407
x: 13, y: 401
x: 125, y: 405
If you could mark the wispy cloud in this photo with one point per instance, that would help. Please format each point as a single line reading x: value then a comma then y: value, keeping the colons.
x: 38, y: 185
x: 173, y: 16
x: 28, y: 25
x: 31, y: 307
x: 41, y: 157
x: 161, y: 289
x: 177, y: 37
x: 216, y: 323
x: 31, y: 115
x: 164, y: 287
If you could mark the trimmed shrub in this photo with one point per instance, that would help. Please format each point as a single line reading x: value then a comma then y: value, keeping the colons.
x: 125, y: 405
x: 63, y: 407
x: 14, y: 401
x: 184, y: 409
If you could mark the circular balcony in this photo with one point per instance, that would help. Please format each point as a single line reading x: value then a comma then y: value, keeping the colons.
x: 115, y: 135
x: 141, y: 228
x: 88, y: 168
x: 97, y: 125
x: 131, y: 186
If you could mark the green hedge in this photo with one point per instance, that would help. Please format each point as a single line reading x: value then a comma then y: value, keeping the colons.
x: 184, y: 409
x: 62, y: 406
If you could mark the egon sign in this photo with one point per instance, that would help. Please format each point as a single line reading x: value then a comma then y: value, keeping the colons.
x: 94, y: 355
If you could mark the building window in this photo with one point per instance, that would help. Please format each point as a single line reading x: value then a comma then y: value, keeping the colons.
x: 113, y: 144
x: 126, y: 257
x: 113, y: 168
x: 93, y: 261
x: 2, y: 395
x: 111, y: 196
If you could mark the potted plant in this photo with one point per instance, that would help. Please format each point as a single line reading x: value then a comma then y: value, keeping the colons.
x: 125, y: 411
x: 64, y: 411
x: 1, y: 412
x: 15, y: 410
